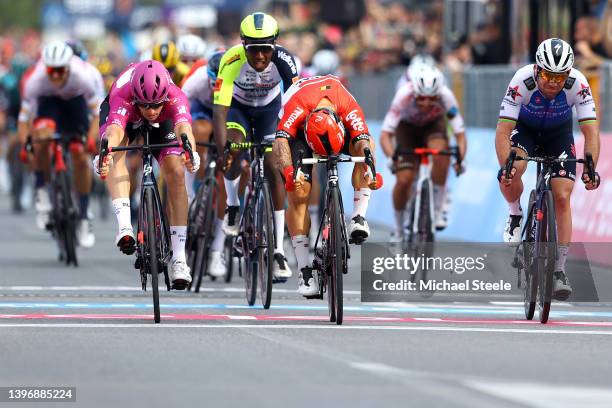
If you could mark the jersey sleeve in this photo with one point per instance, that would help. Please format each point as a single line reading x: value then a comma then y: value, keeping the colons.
x: 178, y: 106
x: 513, y: 99
x: 352, y: 115
x: 93, y: 86
x: 30, y: 95
x: 393, y: 115
x: 583, y: 100
x: 292, y: 119
x: 286, y: 65
x: 229, y: 69
x: 452, y: 111
x: 194, y: 84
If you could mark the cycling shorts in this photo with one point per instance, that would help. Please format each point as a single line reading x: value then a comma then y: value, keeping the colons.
x: 409, y: 136
x: 71, y: 116
x: 200, y: 112
x: 255, y: 124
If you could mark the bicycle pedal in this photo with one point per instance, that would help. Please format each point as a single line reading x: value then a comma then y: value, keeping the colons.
x: 317, y: 296
x: 179, y: 285
x: 279, y: 280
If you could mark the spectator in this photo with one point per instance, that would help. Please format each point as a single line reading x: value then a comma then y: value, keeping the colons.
x: 589, y: 48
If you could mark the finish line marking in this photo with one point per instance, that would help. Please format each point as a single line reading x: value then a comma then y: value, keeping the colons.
x: 330, y: 326
x: 225, y: 317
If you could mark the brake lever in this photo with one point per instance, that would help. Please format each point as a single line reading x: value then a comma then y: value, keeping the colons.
x: 510, y: 164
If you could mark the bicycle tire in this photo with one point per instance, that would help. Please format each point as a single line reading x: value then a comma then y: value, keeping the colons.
x: 530, y: 289
x: 248, y: 246
x: 228, y: 248
x: 150, y: 245
x: 69, y: 215
x: 548, y: 262
x: 192, y: 240
x: 204, y: 234
x: 265, y: 246
x: 338, y: 256
x: 425, y: 237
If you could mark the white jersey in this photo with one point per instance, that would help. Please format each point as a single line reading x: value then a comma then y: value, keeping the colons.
x: 83, y: 80
x: 525, y: 103
x: 197, y: 87
x: 403, y: 108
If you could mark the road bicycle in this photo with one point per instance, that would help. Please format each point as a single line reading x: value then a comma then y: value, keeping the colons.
x: 256, y: 237
x: 535, y: 257
x: 419, y: 235
x: 153, y: 247
x: 64, y: 215
x: 332, y: 244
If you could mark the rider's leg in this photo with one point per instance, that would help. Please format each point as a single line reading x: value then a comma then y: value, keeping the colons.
x: 202, y: 130
x: 216, y: 259
x: 439, y: 174
x: 173, y: 170
x: 562, y: 189
x: 298, y: 223
x: 358, y: 228
x: 512, y: 194
x: 235, y: 134
x: 42, y: 128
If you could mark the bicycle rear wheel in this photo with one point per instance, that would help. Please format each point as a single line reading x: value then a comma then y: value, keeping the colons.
x: 70, y: 215
x: 150, y: 251
x: 548, y: 244
x: 265, y: 243
x: 337, y: 254
x: 192, y: 233
x: 229, y: 258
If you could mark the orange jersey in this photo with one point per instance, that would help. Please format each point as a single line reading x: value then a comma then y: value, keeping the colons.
x: 199, y: 63
x: 304, y: 96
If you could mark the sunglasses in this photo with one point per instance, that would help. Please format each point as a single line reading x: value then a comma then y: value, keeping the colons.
x: 56, y: 70
x: 422, y: 98
x: 143, y: 105
x: 257, y: 48
x: 553, y: 76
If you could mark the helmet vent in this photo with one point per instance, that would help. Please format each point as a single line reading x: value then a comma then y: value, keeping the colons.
x: 258, y: 20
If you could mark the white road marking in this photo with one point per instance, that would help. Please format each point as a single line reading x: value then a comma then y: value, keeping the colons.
x: 305, y: 326
x: 133, y: 289
x: 539, y: 395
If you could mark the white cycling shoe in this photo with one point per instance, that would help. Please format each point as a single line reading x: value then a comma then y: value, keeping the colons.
x: 42, y: 205
x: 512, y: 231
x: 217, y: 266
x: 125, y: 240
x: 180, y: 274
x: 231, y: 220
x: 358, y: 230
x: 308, y: 282
x: 85, y: 234
x: 280, y: 267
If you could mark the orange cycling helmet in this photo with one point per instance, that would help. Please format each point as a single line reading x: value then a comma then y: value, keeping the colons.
x: 324, y: 132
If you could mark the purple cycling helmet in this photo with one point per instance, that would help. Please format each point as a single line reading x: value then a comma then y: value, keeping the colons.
x: 150, y: 82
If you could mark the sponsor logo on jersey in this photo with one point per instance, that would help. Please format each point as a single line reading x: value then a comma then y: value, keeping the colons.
x: 182, y: 109
x: 297, y: 112
x: 584, y: 91
x: 563, y: 156
x: 530, y: 83
x: 288, y: 60
x: 569, y: 82
x: 218, y: 84
x: 562, y: 173
x: 231, y: 60
x: 355, y: 121
x: 513, y: 92
x: 122, y: 111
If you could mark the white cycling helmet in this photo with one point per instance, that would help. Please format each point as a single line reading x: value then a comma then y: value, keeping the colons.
x: 426, y: 81
x: 555, y: 55
x: 191, y: 46
x: 422, y: 59
x: 57, y: 54
x: 325, y: 62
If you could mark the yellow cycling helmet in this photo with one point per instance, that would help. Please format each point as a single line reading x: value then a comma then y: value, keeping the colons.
x: 259, y: 28
x: 166, y: 53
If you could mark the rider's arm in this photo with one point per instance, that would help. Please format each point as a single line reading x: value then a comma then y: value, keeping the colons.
x: 185, y: 127
x: 502, y: 139
x: 282, y: 153
x: 219, y: 127
x: 591, y: 139
x: 386, y: 143
x: 286, y: 66
x: 455, y: 120
x: 114, y: 134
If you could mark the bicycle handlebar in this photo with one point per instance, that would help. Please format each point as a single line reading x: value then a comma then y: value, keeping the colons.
x: 587, y: 161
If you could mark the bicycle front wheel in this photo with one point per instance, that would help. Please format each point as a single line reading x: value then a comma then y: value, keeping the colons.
x: 265, y: 243
x: 68, y: 220
x: 249, y: 248
x: 150, y: 252
x: 338, y: 254
x: 204, y: 228
x: 530, y: 288
x: 548, y: 254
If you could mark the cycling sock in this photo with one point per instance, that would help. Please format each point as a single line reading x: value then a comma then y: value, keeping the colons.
x: 83, y: 205
x: 313, y: 210
x: 360, y: 202
x: 439, y: 197
x: 219, y: 241
x: 279, y: 221
x: 231, y: 187
x: 399, y: 222
x: 39, y: 179
x: 301, y: 244
x: 189, y: 180
x: 121, y: 207
x: 515, y: 208
x: 561, y: 257
x: 178, y: 234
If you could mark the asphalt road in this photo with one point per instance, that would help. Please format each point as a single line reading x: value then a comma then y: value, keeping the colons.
x: 91, y: 327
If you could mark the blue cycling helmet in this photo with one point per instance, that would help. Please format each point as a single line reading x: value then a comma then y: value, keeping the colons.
x: 213, y: 65
x: 78, y: 49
